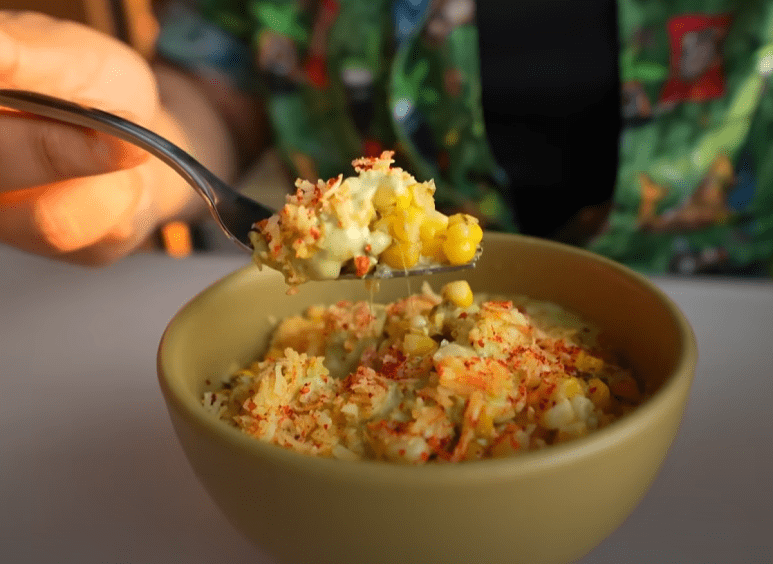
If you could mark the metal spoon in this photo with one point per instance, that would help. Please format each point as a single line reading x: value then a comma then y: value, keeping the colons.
x: 233, y: 212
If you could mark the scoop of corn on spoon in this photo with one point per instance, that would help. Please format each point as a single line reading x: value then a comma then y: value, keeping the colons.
x: 234, y: 213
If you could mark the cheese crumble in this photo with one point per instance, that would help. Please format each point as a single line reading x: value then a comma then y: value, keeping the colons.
x: 429, y: 378
x: 382, y: 218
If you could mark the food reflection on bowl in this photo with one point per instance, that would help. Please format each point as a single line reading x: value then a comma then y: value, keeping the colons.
x: 551, y: 505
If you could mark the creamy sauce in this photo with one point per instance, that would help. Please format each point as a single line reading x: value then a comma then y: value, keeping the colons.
x: 349, y: 223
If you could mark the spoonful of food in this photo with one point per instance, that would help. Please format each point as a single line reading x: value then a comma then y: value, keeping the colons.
x: 380, y: 224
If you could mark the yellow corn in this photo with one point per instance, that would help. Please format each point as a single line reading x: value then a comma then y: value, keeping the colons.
x: 456, y: 218
x: 461, y: 238
x: 433, y: 224
x: 386, y: 199
x: 465, y: 226
x: 571, y: 387
x: 476, y: 232
x: 458, y: 293
x: 459, y: 251
x: 418, y: 345
x: 406, y: 224
x: 464, y: 230
x: 403, y: 199
x: 384, y: 224
x: 401, y: 254
x: 423, y: 195
x: 485, y: 425
x: 588, y: 363
x: 433, y: 249
x: 598, y: 392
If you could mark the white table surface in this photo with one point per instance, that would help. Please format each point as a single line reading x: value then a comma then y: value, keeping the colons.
x: 91, y: 472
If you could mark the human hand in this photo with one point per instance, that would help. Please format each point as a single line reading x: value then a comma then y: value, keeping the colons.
x: 68, y: 192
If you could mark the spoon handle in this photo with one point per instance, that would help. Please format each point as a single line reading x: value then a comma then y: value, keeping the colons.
x: 62, y: 110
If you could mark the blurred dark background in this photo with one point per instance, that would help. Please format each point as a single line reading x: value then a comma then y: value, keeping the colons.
x: 551, y: 103
x: 550, y: 96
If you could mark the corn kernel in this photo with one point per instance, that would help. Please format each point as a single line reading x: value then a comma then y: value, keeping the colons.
x: 384, y: 224
x: 384, y: 198
x: 571, y: 387
x: 464, y: 226
x: 403, y: 199
x: 418, y: 345
x: 433, y: 249
x: 485, y: 425
x: 456, y: 218
x: 598, y: 392
x: 387, y: 199
x: 588, y: 363
x: 459, y: 251
x: 406, y: 224
x: 458, y: 293
x: 434, y: 223
x: 459, y: 230
x: 401, y: 254
x: 423, y: 195
x: 476, y: 233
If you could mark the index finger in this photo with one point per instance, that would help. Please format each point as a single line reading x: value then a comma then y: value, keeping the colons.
x: 36, y: 151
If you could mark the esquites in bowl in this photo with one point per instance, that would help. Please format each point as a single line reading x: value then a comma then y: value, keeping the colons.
x: 428, y: 378
x: 547, y: 504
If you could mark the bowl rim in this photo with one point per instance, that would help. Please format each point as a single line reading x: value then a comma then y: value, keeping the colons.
x: 525, y: 464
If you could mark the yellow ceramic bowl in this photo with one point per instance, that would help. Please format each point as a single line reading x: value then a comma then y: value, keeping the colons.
x: 552, y: 505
